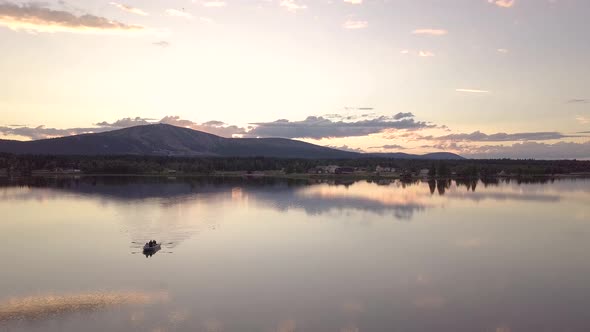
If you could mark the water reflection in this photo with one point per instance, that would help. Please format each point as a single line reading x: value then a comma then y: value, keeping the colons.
x: 400, y: 198
x: 44, y: 306
x: 274, y: 255
x: 149, y: 253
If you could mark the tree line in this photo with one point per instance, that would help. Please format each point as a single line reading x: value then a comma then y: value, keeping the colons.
x: 26, y: 164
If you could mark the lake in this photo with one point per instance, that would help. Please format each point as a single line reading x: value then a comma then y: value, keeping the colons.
x: 277, y: 255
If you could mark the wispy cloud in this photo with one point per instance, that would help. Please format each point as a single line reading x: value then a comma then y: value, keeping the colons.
x: 582, y: 119
x: 478, y: 136
x: 502, y: 50
x: 431, y: 32
x: 472, y: 90
x: 560, y: 150
x: 352, y: 24
x: 178, y: 13
x: 354, y: 2
x: 503, y: 3
x: 292, y: 5
x: 129, y: 9
x: 426, y: 54
x: 36, y: 17
x: 388, y: 147
x: 162, y: 43
x: 359, y: 108
x: 578, y: 101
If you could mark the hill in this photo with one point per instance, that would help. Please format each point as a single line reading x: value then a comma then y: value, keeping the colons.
x: 167, y: 140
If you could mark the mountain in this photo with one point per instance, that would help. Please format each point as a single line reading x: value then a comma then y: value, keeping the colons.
x: 167, y: 140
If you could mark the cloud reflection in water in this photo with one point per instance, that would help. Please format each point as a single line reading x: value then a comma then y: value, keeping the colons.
x: 43, y: 306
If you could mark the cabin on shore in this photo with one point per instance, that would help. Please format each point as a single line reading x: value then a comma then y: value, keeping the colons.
x: 381, y: 169
x: 330, y: 169
x: 344, y: 170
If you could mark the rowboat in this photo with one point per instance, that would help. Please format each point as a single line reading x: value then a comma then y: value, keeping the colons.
x: 155, y: 247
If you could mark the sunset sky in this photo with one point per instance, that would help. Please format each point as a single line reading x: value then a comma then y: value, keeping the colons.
x: 482, y: 78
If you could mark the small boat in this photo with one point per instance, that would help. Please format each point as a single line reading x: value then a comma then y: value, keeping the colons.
x: 154, y: 247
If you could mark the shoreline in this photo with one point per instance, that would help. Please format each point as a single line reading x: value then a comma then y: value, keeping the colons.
x: 295, y: 176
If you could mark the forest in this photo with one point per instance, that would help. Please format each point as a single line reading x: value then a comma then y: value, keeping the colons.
x: 156, y: 165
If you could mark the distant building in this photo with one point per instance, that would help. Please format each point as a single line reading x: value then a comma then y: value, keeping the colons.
x: 315, y: 170
x: 331, y: 169
x: 344, y: 170
x: 380, y: 169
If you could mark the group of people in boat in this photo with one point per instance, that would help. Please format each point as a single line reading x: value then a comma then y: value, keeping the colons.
x: 152, y: 243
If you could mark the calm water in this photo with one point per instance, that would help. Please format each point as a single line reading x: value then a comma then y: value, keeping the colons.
x: 262, y: 255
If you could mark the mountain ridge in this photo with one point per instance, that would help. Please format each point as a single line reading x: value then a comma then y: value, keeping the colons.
x: 168, y: 140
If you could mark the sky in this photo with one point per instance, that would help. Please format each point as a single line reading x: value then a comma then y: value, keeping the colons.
x: 482, y: 78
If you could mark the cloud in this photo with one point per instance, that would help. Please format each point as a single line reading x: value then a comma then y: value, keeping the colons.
x: 525, y: 150
x: 472, y: 91
x: 578, y: 101
x: 178, y: 13
x: 354, y: 2
x: 503, y: 3
x: 582, y: 119
x: 353, y: 25
x: 431, y: 32
x: 345, y: 148
x: 358, y: 108
x: 34, y: 16
x: 162, y: 43
x: 212, y: 127
x: 321, y: 127
x: 41, y: 132
x: 478, y: 136
x: 129, y: 9
x: 425, y: 54
x: 292, y: 5
x: 389, y: 147
x: 312, y: 127
x: 502, y: 50
x: 520, y: 150
x: 125, y: 122
x: 402, y: 115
